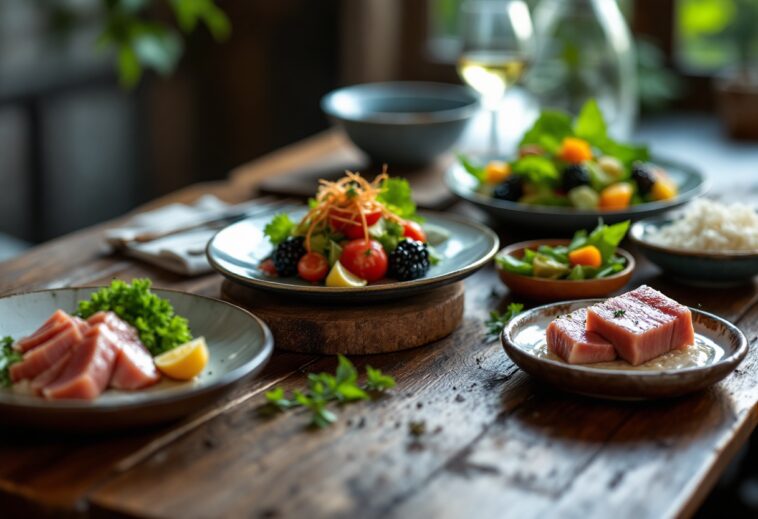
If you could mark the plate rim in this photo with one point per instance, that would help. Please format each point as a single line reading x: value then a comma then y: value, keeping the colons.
x: 385, y: 289
x: 641, y: 209
x: 231, y: 377
x: 735, y: 357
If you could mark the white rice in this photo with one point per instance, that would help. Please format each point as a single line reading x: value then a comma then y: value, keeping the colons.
x: 711, y: 226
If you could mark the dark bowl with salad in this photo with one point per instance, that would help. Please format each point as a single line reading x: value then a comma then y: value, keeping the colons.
x: 567, y: 172
x: 589, y: 265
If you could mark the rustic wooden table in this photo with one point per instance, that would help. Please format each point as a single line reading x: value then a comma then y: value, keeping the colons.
x: 497, y: 444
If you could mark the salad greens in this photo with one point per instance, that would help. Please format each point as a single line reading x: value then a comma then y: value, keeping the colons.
x: 159, y: 328
x: 573, y: 162
x: 498, y: 320
x: 8, y: 356
x: 588, y: 256
x: 323, y: 388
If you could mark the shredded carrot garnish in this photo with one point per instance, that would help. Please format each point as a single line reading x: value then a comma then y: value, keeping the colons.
x: 348, y: 200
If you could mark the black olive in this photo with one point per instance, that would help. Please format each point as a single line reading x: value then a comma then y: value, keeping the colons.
x: 643, y: 177
x: 574, y: 175
x: 511, y: 189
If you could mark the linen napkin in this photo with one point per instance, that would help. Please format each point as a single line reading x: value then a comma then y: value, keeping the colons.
x: 183, y: 252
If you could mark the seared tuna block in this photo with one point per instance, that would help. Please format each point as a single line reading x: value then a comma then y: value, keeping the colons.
x: 638, y: 331
x: 684, y: 332
x: 89, y: 369
x: 568, y: 338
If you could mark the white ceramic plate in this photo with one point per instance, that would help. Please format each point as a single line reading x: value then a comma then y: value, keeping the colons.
x: 239, y: 344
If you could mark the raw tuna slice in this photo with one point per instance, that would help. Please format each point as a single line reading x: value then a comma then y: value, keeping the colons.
x: 568, y: 338
x: 89, y: 369
x: 638, y: 331
x: 134, y: 364
x: 50, y: 374
x: 50, y: 328
x: 46, y: 354
x: 684, y: 332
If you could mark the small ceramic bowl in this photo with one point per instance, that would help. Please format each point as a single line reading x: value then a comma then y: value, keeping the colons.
x: 402, y: 123
x: 543, y: 290
x: 694, y: 267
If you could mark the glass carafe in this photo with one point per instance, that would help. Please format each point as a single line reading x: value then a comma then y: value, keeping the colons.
x: 585, y: 50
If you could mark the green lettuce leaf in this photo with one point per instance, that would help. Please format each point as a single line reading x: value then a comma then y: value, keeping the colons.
x: 548, y: 131
x: 279, y: 228
x: 397, y: 196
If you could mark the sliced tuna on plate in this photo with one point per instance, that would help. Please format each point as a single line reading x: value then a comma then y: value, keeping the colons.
x: 638, y: 331
x: 89, y: 369
x: 51, y: 327
x: 568, y: 338
x: 46, y: 354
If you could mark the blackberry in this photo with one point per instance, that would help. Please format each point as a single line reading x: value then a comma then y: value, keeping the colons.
x: 511, y: 189
x: 409, y: 260
x: 574, y: 175
x: 287, y: 254
x: 643, y: 177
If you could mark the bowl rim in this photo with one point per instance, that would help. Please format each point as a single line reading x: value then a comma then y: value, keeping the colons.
x: 637, y: 231
x: 736, y: 356
x: 406, y: 118
x: 475, y: 197
x: 631, y: 263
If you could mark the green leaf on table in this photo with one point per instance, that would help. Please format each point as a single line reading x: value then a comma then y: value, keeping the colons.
x: 498, y: 320
x: 279, y: 228
x: 378, y: 381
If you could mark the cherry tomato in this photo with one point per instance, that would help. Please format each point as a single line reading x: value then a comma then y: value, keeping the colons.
x: 267, y: 267
x: 352, y: 231
x: 365, y: 259
x: 313, y: 267
x: 414, y: 231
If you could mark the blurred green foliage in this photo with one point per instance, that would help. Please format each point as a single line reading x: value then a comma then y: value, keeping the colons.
x: 141, y: 41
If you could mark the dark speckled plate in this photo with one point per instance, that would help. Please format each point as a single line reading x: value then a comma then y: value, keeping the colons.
x: 719, y: 346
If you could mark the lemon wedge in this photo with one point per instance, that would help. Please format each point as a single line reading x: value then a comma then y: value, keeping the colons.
x: 184, y: 362
x: 339, y: 276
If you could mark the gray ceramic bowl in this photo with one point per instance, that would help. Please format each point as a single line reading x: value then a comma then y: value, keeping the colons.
x: 701, y: 268
x: 524, y: 336
x: 402, y: 123
x: 691, y: 184
x: 239, y: 344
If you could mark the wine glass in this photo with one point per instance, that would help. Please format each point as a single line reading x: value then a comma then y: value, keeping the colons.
x: 496, y: 47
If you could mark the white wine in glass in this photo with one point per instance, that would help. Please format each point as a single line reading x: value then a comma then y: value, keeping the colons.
x: 496, y: 45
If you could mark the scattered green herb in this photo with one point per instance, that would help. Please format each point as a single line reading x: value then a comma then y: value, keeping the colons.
x: 159, y: 328
x: 497, y: 321
x: 8, y: 356
x: 618, y: 313
x: 323, y: 388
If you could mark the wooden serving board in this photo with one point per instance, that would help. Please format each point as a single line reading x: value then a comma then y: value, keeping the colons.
x: 382, y: 327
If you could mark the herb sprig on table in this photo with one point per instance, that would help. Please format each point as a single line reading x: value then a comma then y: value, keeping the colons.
x: 323, y: 388
x: 8, y: 356
x: 159, y: 328
x: 498, y: 320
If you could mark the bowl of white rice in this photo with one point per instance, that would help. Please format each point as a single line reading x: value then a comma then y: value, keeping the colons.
x: 707, y: 242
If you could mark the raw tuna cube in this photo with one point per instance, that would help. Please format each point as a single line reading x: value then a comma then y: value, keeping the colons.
x: 684, y: 332
x: 51, y: 327
x: 134, y: 365
x: 638, y: 331
x: 89, y: 369
x: 48, y: 353
x: 568, y: 338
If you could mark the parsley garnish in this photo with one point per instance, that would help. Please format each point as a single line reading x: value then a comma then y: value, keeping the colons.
x: 8, y: 356
x: 618, y: 313
x: 497, y: 321
x: 323, y: 388
x: 159, y: 328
